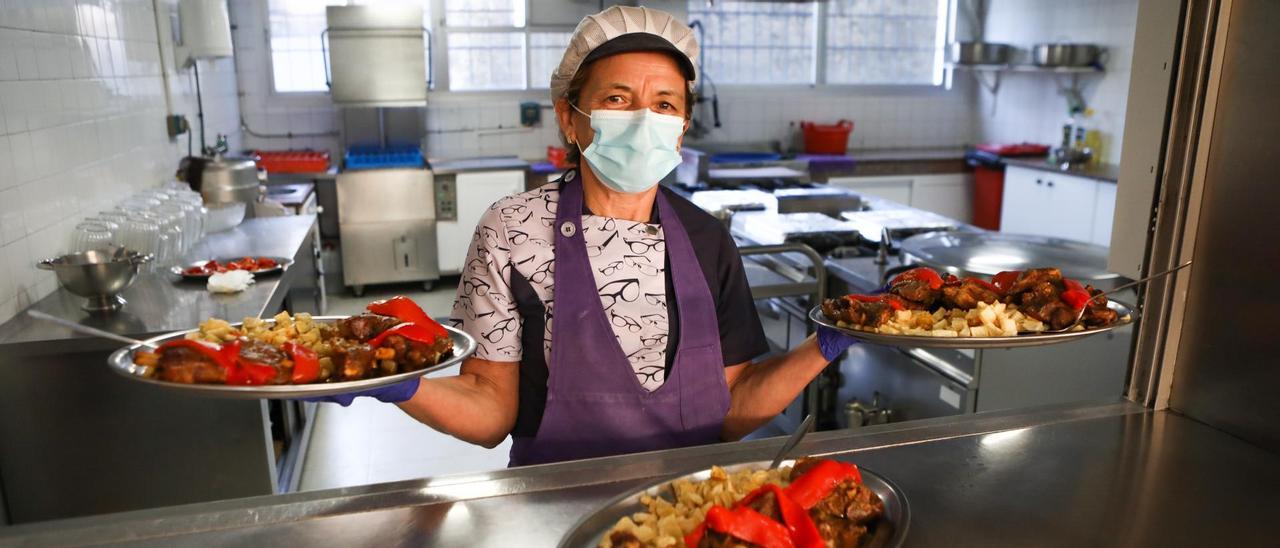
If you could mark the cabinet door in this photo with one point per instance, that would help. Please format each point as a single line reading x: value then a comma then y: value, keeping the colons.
x: 475, y: 192
x: 1069, y: 211
x: 895, y: 189
x: 1104, y: 212
x: 949, y: 195
x: 1025, y: 199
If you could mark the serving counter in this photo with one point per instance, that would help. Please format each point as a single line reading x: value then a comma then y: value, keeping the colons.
x: 77, y: 439
x: 1111, y: 475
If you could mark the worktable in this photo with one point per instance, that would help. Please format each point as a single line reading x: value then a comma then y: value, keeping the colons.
x: 77, y: 439
x: 1112, y: 475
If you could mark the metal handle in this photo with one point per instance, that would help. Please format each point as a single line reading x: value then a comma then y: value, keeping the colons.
x: 794, y: 440
x: 87, y: 330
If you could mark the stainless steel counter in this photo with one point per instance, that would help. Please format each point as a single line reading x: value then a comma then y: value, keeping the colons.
x: 1115, y: 475
x: 160, y: 302
x: 77, y: 439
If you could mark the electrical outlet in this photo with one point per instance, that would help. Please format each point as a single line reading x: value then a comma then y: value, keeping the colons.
x: 176, y: 124
x: 530, y: 114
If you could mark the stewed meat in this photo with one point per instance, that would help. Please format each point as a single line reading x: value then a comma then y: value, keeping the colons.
x: 262, y: 353
x: 185, y: 365
x: 855, y: 312
x: 967, y: 293
x: 916, y: 291
x: 365, y: 326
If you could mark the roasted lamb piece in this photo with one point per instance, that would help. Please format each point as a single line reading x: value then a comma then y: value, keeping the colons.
x: 352, y: 360
x: 855, y: 312
x: 187, y: 366
x: 967, y: 293
x: 1034, y: 277
x: 1097, y: 314
x: 411, y: 354
x: 844, y: 516
x: 365, y: 326
x: 916, y: 291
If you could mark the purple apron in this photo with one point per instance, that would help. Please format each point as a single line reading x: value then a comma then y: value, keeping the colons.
x: 595, y: 404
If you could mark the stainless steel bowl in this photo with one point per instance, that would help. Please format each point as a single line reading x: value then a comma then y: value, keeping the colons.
x: 97, y: 275
x: 978, y: 53
x: 1065, y: 55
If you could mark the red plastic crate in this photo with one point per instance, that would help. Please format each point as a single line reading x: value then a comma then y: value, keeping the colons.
x: 826, y: 139
x: 292, y: 161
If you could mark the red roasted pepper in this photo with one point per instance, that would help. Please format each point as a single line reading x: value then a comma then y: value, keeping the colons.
x: 808, y: 490
x: 411, y: 331
x: 242, y: 371
x: 749, y: 525
x: 1072, y: 285
x: 804, y: 533
x: 893, y: 301
x: 923, y: 274
x: 1074, y: 294
x: 306, y: 364
x: 988, y: 285
x: 400, y: 307
x: 1004, y: 280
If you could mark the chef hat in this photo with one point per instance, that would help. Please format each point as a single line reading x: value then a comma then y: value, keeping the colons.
x: 622, y: 29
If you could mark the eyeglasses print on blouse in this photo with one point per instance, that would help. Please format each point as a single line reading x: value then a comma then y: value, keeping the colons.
x: 627, y: 291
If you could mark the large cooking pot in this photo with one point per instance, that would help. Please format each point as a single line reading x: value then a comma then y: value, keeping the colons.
x: 978, y: 53
x: 1065, y: 55
x: 223, y: 180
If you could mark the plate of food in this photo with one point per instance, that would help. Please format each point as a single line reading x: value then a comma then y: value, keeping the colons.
x: 807, y: 502
x: 297, y: 355
x: 924, y: 309
x: 201, y: 270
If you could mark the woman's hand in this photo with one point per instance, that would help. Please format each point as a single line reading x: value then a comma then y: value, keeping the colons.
x: 392, y: 393
x: 833, y: 343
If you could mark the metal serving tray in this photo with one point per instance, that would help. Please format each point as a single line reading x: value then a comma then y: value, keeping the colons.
x: 1126, y: 313
x: 588, y: 532
x: 181, y: 270
x: 121, y: 361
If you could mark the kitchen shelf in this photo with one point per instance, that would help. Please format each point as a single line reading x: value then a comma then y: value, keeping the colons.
x: 1027, y: 68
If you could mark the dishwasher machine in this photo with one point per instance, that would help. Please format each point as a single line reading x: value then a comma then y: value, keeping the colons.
x: 387, y: 222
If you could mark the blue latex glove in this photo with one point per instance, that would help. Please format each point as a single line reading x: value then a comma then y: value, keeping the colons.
x: 833, y: 343
x: 392, y: 393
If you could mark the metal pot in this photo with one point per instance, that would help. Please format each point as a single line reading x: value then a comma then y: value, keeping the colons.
x: 224, y: 180
x: 978, y: 53
x: 1065, y: 55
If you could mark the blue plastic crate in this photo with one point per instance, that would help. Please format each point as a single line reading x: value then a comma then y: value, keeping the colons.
x: 374, y: 157
x: 744, y: 157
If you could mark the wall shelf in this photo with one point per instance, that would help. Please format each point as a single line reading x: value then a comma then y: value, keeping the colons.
x: 1027, y: 68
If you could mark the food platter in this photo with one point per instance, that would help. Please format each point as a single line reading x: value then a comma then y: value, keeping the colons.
x: 185, y: 270
x: 121, y: 362
x: 1124, y: 311
x: 588, y: 531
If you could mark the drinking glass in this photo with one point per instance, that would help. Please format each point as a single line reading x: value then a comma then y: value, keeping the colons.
x: 89, y: 236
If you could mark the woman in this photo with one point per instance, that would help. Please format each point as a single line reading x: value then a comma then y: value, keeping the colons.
x: 612, y: 315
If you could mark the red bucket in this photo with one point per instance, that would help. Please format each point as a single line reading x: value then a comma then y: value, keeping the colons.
x: 826, y: 139
x: 557, y: 156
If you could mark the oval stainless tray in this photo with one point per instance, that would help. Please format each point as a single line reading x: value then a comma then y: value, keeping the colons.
x: 1126, y: 313
x: 121, y: 361
x: 181, y: 270
x: 890, y: 530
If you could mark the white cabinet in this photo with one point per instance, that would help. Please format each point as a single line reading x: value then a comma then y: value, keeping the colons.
x: 469, y: 194
x: 1053, y: 204
x: 1104, y: 212
x: 949, y: 195
x: 895, y: 189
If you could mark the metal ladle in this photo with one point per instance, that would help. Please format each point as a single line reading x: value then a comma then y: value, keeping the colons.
x: 87, y: 330
x: 1080, y: 314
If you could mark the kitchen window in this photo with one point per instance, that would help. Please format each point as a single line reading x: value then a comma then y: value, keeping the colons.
x: 757, y: 42
x: 486, y: 44
x: 862, y: 42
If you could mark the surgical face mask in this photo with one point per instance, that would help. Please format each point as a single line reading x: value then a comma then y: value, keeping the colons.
x: 632, y: 149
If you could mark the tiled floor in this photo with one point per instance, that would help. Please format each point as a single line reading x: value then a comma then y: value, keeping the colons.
x: 374, y: 442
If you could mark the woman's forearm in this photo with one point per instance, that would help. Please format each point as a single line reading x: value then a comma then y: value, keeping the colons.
x: 761, y: 390
x: 477, y: 406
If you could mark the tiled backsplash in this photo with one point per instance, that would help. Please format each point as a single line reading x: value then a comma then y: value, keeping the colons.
x: 1029, y: 106
x: 82, y: 106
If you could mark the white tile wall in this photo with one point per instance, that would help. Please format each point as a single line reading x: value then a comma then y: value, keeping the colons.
x: 82, y: 106
x: 1029, y: 106
x: 883, y: 117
